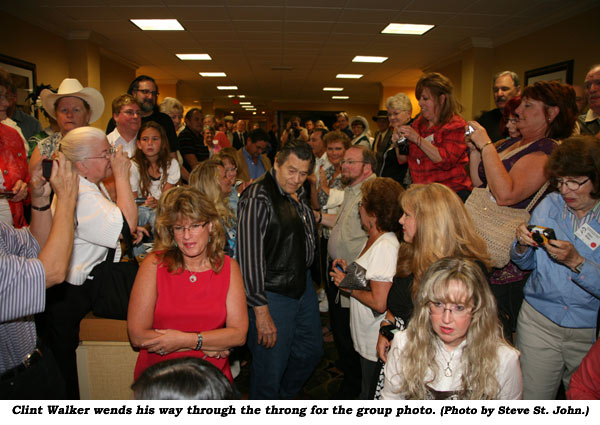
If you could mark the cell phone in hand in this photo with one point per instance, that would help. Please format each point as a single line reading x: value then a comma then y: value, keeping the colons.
x: 47, y: 168
x: 337, y: 266
x: 541, y: 234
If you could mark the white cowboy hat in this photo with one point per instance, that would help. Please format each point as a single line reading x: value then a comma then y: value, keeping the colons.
x: 72, y: 87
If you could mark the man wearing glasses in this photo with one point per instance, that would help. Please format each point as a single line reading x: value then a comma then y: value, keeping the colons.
x: 145, y: 91
x: 127, y: 114
x: 346, y: 240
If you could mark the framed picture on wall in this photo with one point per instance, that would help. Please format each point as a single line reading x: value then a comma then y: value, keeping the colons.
x: 23, y: 76
x: 561, y: 72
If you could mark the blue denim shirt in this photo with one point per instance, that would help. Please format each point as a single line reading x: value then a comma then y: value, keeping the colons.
x: 567, y: 298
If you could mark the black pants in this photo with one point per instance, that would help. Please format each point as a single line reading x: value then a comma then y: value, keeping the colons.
x: 349, y: 359
x: 41, y: 381
x: 67, y: 304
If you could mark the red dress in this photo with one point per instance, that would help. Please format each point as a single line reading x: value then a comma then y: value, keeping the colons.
x: 189, y: 307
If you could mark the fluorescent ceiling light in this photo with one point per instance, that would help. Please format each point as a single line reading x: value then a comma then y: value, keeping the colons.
x: 409, y: 29
x: 352, y: 76
x: 241, y: 96
x: 340, y: 97
x: 370, y: 59
x: 227, y: 87
x: 213, y: 74
x: 253, y: 113
x: 194, y: 56
x: 196, y: 101
x: 230, y: 95
x: 158, y: 24
x: 333, y: 88
x: 245, y: 103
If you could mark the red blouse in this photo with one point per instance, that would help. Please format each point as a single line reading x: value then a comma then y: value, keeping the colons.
x: 13, y: 165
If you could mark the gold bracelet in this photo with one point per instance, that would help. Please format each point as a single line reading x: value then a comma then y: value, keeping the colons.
x: 484, y: 146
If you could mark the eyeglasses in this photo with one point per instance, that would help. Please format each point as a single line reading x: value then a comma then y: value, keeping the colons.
x: 192, y: 228
x: 571, y: 184
x: 131, y: 113
x: 457, y: 310
x: 351, y: 161
x: 106, y: 155
x: 147, y: 92
x: 513, y: 120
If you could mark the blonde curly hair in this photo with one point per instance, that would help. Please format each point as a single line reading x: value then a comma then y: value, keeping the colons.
x: 484, y: 336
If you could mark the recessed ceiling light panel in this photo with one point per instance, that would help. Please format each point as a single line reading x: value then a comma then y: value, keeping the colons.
x: 350, y: 76
x: 370, y: 59
x: 340, y: 97
x: 213, y: 74
x: 194, y: 56
x: 407, y: 29
x: 227, y: 87
x: 158, y: 24
x: 333, y: 88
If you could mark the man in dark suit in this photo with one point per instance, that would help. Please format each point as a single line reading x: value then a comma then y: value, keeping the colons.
x: 240, y: 135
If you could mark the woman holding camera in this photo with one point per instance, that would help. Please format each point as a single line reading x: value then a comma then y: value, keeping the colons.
x: 513, y: 170
x: 437, y: 150
x: 556, y: 325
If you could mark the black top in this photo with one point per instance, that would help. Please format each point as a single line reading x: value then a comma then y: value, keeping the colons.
x: 493, y: 124
x: 189, y: 143
x: 161, y: 118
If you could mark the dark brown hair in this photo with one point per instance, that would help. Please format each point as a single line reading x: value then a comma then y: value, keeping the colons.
x: 439, y: 85
x: 553, y: 93
x: 576, y: 156
x: 379, y: 199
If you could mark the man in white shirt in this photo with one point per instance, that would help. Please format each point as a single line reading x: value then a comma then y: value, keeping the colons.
x: 128, y: 119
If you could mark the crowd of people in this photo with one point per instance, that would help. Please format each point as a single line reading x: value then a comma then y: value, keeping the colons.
x: 243, y: 238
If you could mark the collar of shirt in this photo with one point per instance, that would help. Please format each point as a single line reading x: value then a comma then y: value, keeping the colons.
x: 591, y: 116
x: 593, y: 214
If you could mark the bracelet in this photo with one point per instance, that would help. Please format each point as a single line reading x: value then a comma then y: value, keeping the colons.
x: 484, y: 146
x: 320, y: 217
x: 419, y: 142
x: 44, y: 208
x: 199, y: 344
x: 389, y: 322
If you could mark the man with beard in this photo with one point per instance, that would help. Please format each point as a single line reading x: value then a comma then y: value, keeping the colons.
x: 506, y: 86
x: 145, y: 91
x: 346, y: 240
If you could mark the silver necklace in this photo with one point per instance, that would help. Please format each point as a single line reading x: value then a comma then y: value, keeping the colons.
x: 193, y: 278
x: 448, y: 369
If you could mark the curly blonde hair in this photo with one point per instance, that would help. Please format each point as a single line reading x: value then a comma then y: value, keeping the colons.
x: 444, y: 229
x: 186, y: 202
x: 484, y: 336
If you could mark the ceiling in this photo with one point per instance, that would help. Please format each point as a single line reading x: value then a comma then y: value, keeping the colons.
x: 314, y: 39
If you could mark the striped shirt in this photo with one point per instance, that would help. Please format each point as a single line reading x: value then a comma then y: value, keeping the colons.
x: 254, y: 212
x: 22, y: 294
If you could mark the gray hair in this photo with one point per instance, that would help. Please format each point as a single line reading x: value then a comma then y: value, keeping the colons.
x: 77, y: 144
x: 399, y: 101
x: 512, y: 75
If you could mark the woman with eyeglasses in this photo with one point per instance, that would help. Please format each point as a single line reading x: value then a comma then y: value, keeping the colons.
x: 188, y: 298
x: 557, y: 321
x: 513, y: 170
x: 99, y: 223
x: 453, y: 347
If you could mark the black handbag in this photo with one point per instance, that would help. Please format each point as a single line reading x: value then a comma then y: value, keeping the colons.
x: 112, y: 282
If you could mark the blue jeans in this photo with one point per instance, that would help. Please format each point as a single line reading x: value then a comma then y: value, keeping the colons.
x: 281, y: 371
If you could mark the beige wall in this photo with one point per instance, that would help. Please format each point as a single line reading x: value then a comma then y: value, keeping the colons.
x: 114, y: 80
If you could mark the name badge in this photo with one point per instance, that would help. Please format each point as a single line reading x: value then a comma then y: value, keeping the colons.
x: 588, y: 236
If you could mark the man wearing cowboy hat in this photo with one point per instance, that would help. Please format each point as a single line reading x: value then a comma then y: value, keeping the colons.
x: 383, y: 136
x: 229, y: 122
x: 145, y: 91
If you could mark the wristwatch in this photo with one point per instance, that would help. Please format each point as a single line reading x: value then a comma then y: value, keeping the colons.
x: 579, y: 267
x: 199, y: 344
